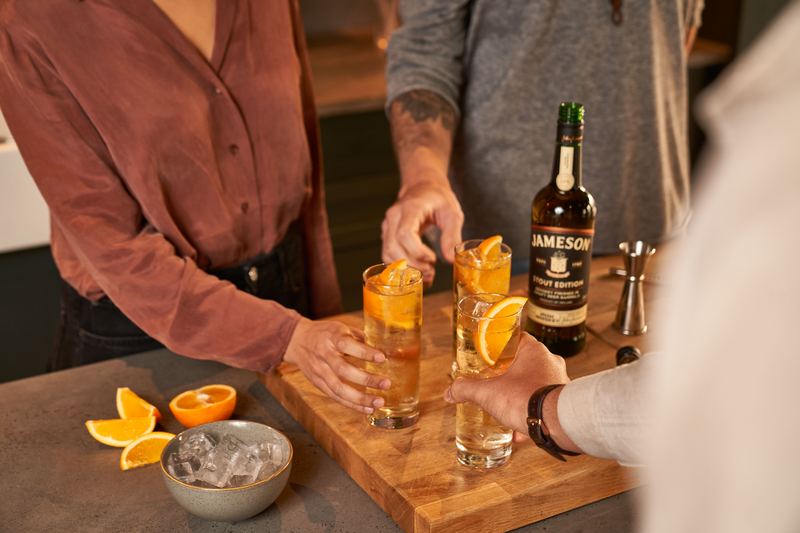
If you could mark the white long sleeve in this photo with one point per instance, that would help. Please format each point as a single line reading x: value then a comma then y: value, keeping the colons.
x: 606, y: 413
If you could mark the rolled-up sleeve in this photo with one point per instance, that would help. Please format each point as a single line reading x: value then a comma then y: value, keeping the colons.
x: 605, y: 414
x: 426, y: 52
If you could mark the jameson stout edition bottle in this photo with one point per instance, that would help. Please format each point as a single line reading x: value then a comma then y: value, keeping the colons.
x: 562, y: 230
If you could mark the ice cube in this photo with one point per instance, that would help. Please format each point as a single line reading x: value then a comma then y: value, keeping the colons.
x: 183, y: 472
x: 194, y: 449
x: 239, y: 481
x: 220, y: 462
x: 268, y: 451
x: 248, y: 465
x: 480, y: 307
x: 473, y: 255
x: 197, y: 441
x: 269, y: 469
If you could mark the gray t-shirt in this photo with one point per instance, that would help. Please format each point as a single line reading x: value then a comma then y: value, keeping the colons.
x: 506, y: 65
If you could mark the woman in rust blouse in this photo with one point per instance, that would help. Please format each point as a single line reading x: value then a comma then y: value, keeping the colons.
x: 176, y: 144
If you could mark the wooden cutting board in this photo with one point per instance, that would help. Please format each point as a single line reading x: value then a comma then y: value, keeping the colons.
x: 413, y: 474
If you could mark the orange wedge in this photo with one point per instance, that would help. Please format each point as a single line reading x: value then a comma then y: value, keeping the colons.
x: 144, y: 450
x: 384, y: 278
x: 490, y: 248
x: 211, y: 403
x: 493, y: 335
x: 120, y: 432
x: 129, y: 405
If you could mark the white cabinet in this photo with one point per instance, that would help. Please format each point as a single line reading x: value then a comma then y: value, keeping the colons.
x: 24, y: 217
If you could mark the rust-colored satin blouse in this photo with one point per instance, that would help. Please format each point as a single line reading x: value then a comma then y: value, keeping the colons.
x: 157, y: 164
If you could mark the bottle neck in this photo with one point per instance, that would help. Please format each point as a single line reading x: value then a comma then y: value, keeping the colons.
x: 567, y: 161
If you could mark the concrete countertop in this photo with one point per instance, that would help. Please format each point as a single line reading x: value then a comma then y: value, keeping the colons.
x: 56, y: 477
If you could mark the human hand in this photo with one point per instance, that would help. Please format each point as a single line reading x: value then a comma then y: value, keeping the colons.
x: 506, y: 397
x: 427, y: 201
x: 318, y: 349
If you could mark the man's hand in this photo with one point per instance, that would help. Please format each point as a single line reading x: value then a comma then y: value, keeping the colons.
x: 318, y: 349
x: 422, y: 130
x: 506, y: 397
x: 428, y: 202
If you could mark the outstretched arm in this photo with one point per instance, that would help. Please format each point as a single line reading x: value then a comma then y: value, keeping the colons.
x: 422, y: 131
x: 506, y: 397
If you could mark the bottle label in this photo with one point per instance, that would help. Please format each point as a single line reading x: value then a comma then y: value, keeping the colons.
x: 559, y: 275
x: 557, y: 319
x: 565, y: 180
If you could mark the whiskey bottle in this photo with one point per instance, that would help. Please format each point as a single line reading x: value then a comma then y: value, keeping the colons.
x: 562, y: 231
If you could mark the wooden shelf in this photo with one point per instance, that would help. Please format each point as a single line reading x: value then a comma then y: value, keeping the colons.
x: 348, y: 72
x: 707, y: 53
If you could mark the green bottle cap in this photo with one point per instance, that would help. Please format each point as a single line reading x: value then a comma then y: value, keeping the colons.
x: 570, y: 112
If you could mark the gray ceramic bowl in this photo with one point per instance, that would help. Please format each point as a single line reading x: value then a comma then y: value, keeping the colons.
x: 232, y: 504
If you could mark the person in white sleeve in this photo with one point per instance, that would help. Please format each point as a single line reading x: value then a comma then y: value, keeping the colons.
x: 714, y: 416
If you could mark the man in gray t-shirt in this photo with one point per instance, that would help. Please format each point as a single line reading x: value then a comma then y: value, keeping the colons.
x: 473, y: 93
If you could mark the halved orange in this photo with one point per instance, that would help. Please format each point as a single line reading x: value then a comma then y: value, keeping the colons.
x: 211, y: 403
x: 129, y: 405
x: 120, y: 432
x: 493, y: 335
x: 385, y: 277
x: 144, y: 450
x: 490, y: 248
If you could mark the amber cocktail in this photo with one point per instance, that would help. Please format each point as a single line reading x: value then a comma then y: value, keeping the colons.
x: 392, y: 324
x: 480, y: 266
x: 488, y: 327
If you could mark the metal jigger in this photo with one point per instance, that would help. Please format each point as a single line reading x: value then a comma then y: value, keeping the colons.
x: 630, y: 313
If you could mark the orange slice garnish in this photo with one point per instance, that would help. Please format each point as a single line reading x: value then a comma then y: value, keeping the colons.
x: 120, y: 432
x: 145, y: 450
x: 385, y: 277
x: 493, y: 335
x: 129, y: 405
x: 490, y: 248
x: 211, y: 403
x: 397, y: 307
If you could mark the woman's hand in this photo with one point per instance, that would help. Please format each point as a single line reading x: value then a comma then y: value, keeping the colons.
x: 318, y: 350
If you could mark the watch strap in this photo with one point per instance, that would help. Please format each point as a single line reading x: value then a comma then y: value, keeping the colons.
x: 536, y: 428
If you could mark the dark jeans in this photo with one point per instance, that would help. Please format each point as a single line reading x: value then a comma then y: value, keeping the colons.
x: 89, y: 332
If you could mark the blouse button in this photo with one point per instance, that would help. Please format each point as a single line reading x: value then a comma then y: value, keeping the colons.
x: 234, y: 149
x: 253, y: 274
x: 217, y: 90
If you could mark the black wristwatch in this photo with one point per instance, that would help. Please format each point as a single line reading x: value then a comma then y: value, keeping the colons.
x: 536, y: 428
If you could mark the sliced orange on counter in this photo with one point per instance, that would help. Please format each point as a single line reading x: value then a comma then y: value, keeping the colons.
x: 120, y: 432
x: 145, y: 450
x: 493, y: 335
x: 129, y: 405
x: 211, y: 403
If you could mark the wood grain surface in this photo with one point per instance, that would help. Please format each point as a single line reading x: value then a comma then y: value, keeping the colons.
x: 413, y: 474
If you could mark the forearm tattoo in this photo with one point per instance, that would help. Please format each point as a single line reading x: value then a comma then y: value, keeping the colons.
x: 427, y: 105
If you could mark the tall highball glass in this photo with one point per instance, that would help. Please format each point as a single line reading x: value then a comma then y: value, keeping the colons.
x: 392, y: 324
x: 485, y: 348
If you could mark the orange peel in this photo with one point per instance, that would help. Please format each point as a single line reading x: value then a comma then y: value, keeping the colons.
x: 145, y: 450
x: 211, y: 403
x: 129, y: 405
x: 120, y: 432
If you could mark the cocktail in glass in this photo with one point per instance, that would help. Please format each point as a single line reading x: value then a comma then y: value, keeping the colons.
x: 487, y: 333
x: 392, y: 324
x: 480, y: 266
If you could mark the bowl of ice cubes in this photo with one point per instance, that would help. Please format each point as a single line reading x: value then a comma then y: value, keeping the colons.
x: 227, y: 471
